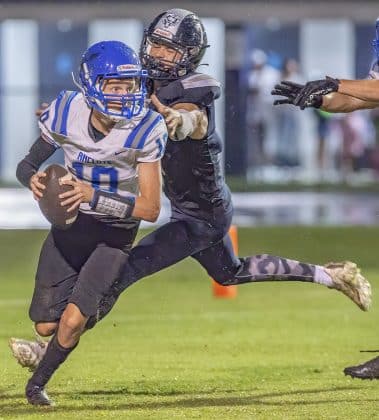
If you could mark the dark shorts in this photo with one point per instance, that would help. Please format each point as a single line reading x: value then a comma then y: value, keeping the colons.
x: 184, y: 236
x: 78, y: 265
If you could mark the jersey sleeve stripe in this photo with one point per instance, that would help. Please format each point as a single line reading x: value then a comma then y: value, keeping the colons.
x: 61, y: 112
x: 134, y: 137
x: 148, y: 131
x: 63, y: 127
x: 57, y: 105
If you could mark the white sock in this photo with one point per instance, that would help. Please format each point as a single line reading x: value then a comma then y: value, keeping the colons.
x: 322, y: 277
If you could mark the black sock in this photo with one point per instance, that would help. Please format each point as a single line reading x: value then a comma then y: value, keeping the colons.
x: 54, y: 356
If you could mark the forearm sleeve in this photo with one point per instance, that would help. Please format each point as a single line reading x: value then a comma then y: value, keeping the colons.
x: 38, y: 153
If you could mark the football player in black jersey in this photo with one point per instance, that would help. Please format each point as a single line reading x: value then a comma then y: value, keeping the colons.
x: 201, y: 208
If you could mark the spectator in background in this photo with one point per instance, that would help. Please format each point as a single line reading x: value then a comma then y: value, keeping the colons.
x: 357, y: 138
x: 288, y: 121
x: 261, y: 123
x: 373, y: 152
x: 323, y: 129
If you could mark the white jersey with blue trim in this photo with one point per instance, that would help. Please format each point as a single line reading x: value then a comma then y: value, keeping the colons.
x: 374, y: 71
x: 110, y: 163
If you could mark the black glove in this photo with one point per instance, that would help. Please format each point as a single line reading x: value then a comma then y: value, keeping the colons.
x: 291, y: 90
x: 315, y: 88
x: 288, y: 89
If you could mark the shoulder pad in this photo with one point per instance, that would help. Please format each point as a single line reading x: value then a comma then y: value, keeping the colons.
x: 198, y: 80
x: 199, y: 89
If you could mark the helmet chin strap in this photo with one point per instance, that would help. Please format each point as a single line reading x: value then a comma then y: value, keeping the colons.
x: 114, y: 118
x: 102, y: 114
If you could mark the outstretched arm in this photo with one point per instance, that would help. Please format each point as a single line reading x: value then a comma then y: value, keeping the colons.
x: 326, y: 94
x: 338, y: 102
x: 183, y: 120
x: 366, y: 90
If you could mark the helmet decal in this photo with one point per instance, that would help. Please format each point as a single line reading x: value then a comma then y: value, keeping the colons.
x: 170, y: 19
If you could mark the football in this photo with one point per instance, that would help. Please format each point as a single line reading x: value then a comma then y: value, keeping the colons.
x: 50, y: 203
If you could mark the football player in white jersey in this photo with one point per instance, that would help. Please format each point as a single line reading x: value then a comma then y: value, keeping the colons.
x: 334, y: 95
x: 112, y: 145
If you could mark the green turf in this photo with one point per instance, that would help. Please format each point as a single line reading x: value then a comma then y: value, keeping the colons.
x: 170, y: 350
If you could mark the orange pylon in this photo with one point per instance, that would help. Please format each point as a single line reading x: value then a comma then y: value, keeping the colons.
x: 227, y: 291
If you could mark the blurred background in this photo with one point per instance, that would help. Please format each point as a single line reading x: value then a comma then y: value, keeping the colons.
x: 254, y: 44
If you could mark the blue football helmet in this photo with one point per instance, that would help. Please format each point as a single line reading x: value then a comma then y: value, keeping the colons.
x: 107, y: 60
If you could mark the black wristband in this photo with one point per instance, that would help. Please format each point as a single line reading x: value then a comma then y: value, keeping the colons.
x: 112, y: 204
x: 317, y: 101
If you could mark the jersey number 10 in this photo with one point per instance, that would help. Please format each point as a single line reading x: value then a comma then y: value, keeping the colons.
x: 98, y: 176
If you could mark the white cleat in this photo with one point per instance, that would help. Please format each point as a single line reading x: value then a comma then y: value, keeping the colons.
x: 347, y: 279
x: 28, y: 353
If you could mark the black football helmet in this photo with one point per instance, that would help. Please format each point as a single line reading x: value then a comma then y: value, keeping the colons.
x: 181, y: 30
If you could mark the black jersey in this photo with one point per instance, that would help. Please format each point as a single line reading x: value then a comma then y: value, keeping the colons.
x: 193, y: 179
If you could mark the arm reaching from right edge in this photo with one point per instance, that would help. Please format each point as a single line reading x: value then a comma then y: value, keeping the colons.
x: 366, y: 90
x: 314, y: 95
x: 338, y: 102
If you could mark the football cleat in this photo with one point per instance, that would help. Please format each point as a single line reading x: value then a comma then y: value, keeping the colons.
x: 347, y: 279
x: 28, y: 353
x: 368, y: 370
x: 36, y: 395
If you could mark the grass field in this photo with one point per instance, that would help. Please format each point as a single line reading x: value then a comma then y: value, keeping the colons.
x: 170, y: 350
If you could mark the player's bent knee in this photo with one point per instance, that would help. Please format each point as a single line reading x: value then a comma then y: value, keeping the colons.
x: 45, y: 329
x: 72, y: 320
x: 70, y: 325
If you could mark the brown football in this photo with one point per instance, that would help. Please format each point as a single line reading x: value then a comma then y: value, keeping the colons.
x: 50, y: 203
